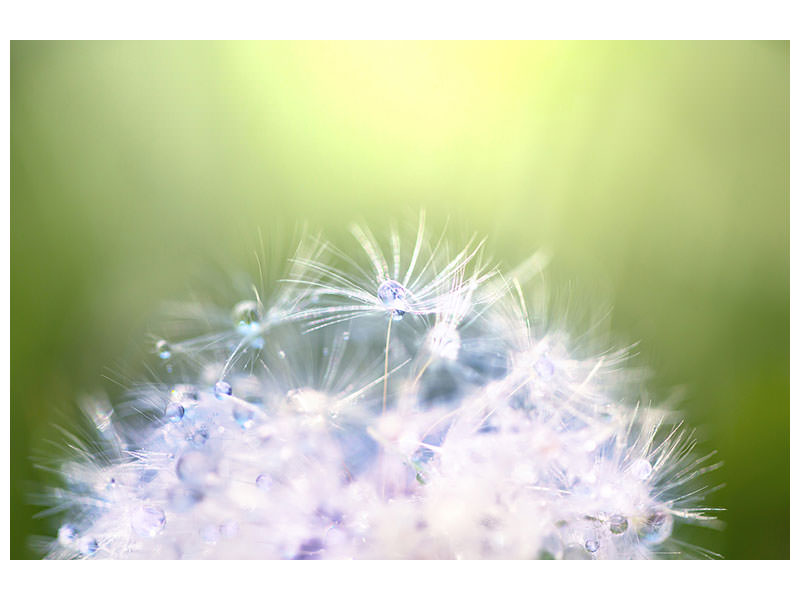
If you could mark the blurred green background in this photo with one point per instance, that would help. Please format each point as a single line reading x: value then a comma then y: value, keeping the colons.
x: 656, y: 173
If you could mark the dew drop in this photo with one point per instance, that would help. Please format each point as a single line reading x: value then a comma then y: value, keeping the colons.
x: 641, y: 469
x: 66, y: 534
x: 243, y: 416
x: 393, y: 296
x: 247, y: 316
x: 174, y: 412
x: 617, y: 524
x: 346, y: 336
x: 222, y: 389
x: 656, y: 527
x: 148, y: 521
x: 88, y: 546
x: 264, y: 481
x: 164, y: 350
x: 592, y: 545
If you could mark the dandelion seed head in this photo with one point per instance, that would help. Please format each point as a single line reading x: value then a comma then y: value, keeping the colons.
x: 294, y: 426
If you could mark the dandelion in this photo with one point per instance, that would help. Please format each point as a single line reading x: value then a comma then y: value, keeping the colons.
x: 270, y: 434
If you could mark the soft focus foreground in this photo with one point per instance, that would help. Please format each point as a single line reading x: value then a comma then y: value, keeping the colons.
x: 407, y: 405
x: 655, y: 173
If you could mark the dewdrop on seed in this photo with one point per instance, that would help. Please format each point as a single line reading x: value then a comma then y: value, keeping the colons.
x: 305, y: 424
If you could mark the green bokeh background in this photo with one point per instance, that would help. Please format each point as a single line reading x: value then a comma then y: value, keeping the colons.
x: 656, y: 174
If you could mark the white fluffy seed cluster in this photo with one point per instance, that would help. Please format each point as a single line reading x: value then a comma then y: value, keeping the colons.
x: 407, y: 405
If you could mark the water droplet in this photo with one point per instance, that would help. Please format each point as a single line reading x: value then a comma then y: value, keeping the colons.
x: 281, y: 353
x: 174, y: 412
x: 544, y: 368
x: 641, y: 469
x: 148, y: 521
x: 264, y: 481
x: 346, y: 336
x: 243, y: 416
x: 247, y: 316
x: 393, y: 296
x: 87, y: 546
x: 66, y: 534
x: 222, y: 389
x: 592, y: 545
x: 656, y: 527
x: 163, y: 349
x: 617, y: 524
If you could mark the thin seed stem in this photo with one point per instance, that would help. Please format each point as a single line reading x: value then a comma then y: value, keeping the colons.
x: 425, y: 366
x: 386, y: 363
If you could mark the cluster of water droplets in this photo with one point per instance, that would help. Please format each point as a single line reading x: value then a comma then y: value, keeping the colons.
x: 471, y: 432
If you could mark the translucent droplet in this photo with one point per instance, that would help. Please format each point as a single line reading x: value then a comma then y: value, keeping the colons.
x: 243, y: 416
x: 641, y: 469
x: 346, y: 336
x: 656, y: 527
x: 88, y: 546
x: 247, y: 316
x: 544, y: 368
x: 617, y: 524
x: 174, y: 412
x: 592, y: 545
x: 66, y: 534
x: 222, y: 389
x: 393, y: 296
x: 163, y: 349
x: 264, y: 481
x: 281, y: 353
x: 148, y: 521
